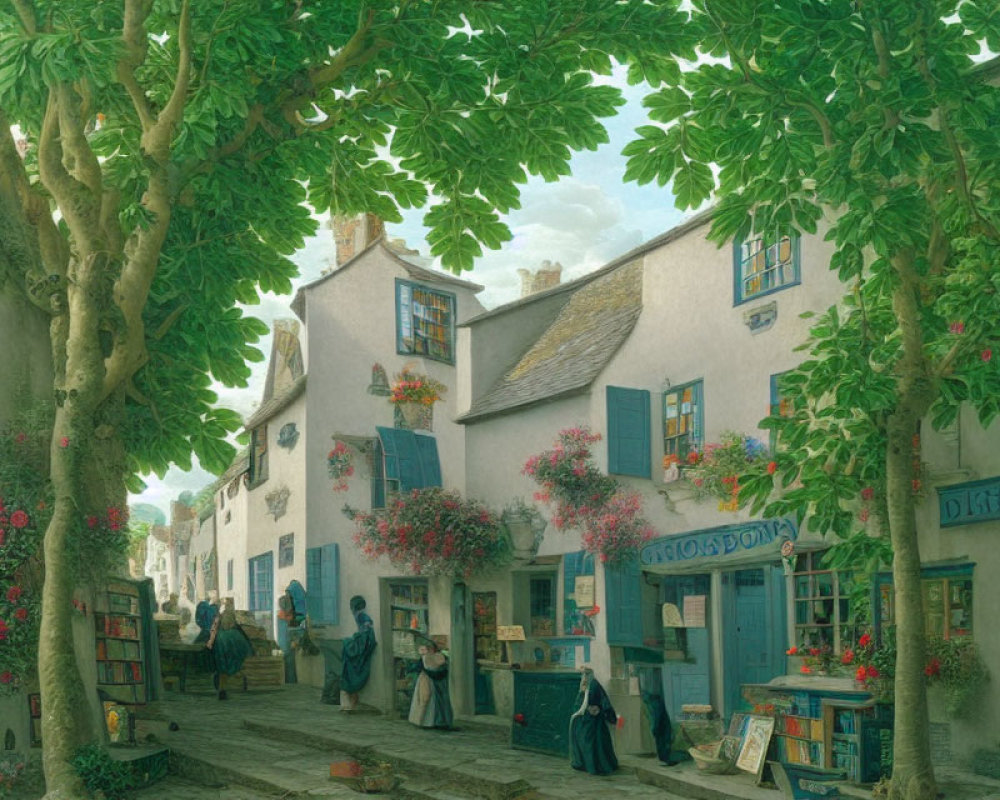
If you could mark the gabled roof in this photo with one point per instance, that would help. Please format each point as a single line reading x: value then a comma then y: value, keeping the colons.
x: 415, y: 271
x: 278, y: 403
x: 574, y: 349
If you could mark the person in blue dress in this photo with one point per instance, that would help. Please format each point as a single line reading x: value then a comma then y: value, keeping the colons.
x: 229, y: 645
x: 590, y: 746
x: 357, y: 656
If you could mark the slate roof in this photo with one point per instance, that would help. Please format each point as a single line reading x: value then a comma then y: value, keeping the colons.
x: 278, y: 403
x: 574, y: 349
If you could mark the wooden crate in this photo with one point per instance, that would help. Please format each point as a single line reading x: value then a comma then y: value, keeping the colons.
x: 264, y: 671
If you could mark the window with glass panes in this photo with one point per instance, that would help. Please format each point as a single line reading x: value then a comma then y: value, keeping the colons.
x: 542, y: 594
x: 947, y: 601
x: 682, y: 419
x: 765, y: 265
x: 822, y: 604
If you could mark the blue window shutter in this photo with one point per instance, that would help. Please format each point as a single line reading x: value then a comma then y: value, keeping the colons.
x: 402, y: 459
x: 314, y: 585
x: 628, y: 432
x: 430, y: 465
x: 622, y: 586
x: 330, y: 576
x: 698, y: 418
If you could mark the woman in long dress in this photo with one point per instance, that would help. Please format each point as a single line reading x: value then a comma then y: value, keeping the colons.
x: 230, y: 646
x: 357, y: 655
x: 431, y: 704
x: 590, y: 746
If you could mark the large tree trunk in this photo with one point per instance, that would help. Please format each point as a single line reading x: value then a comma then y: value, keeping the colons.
x: 912, y: 773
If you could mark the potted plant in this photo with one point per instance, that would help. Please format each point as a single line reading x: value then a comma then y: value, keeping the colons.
x: 715, y: 470
x: 414, y: 396
x: 433, y: 532
x: 525, y: 526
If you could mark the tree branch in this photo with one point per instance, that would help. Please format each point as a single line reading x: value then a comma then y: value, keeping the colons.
x: 26, y: 12
x: 136, y: 45
x: 156, y: 140
x: 83, y: 165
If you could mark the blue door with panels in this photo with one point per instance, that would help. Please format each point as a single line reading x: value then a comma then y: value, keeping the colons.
x: 754, y: 630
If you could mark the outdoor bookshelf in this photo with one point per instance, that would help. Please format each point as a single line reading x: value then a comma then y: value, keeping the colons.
x: 121, y: 662
x: 408, y: 609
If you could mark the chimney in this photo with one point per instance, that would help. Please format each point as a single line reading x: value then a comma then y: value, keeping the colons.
x: 351, y: 235
x: 545, y: 277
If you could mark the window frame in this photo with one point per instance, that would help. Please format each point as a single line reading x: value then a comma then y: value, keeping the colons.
x: 739, y: 297
x: 258, y: 456
x: 255, y: 594
x: 549, y: 578
x: 695, y: 437
x: 838, y: 626
x: 409, y: 318
x: 947, y: 576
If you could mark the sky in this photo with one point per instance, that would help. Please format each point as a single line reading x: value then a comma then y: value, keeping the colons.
x: 582, y: 221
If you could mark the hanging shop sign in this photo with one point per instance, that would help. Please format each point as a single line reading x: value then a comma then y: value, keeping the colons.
x: 967, y: 503
x: 726, y: 540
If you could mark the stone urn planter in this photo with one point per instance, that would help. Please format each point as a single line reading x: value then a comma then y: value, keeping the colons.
x: 525, y: 528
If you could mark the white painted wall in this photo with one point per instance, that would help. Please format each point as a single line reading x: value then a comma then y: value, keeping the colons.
x: 231, y: 532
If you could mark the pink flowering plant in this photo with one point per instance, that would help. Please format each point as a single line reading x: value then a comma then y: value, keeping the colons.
x: 609, y: 515
x: 433, y: 532
x: 340, y: 465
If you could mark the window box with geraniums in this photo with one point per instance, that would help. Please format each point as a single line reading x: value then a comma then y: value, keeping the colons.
x: 340, y: 465
x: 715, y: 470
x: 433, y: 532
x: 414, y: 396
x: 609, y: 516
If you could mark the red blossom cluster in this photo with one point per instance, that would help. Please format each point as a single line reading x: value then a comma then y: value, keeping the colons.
x: 339, y: 463
x: 409, y: 387
x: 433, y: 531
x: 609, y: 516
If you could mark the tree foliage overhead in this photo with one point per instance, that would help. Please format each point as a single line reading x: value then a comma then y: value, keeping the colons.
x: 188, y: 138
x: 873, y: 114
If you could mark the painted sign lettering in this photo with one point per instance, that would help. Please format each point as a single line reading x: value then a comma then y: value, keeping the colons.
x: 721, y: 541
x: 966, y: 503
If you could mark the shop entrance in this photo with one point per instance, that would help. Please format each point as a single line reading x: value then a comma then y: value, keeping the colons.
x: 753, y: 630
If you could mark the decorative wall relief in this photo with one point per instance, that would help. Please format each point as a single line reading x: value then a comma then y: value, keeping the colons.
x: 277, y: 502
x: 286, y: 550
x: 380, y: 381
x: 760, y: 318
x: 340, y: 464
x: 288, y: 436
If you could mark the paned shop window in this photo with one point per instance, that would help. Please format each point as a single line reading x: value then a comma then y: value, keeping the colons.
x: 822, y: 604
x: 764, y: 265
x: 682, y: 420
x: 425, y: 322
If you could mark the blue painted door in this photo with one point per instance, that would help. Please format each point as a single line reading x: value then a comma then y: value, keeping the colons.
x: 687, y: 681
x: 754, y: 615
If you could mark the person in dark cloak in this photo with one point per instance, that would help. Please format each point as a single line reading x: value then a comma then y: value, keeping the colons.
x: 431, y: 703
x: 204, y: 615
x: 590, y: 746
x: 357, y: 656
x: 229, y: 645
x: 651, y: 692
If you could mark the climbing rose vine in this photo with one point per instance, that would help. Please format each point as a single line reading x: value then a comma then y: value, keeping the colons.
x: 433, y: 532
x: 609, y: 515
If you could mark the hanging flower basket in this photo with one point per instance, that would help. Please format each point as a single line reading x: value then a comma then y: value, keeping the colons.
x: 340, y: 465
x: 414, y: 416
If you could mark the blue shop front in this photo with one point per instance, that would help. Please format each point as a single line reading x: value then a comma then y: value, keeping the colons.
x: 721, y: 601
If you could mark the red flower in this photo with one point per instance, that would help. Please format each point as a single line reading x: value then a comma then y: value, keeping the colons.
x: 792, y: 651
x: 21, y: 438
x: 814, y: 651
x: 872, y: 672
x: 91, y: 521
x: 933, y: 668
x: 986, y: 355
x: 863, y: 515
x: 915, y: 484
x: 865, y: 640
x: 21, y: 615
x: 3, y: 630
x: 804, y: 669
x: 6, y: 676
x: 861, y: 674
x: 519, y: 718
x: 772, y: 467
x: 64, y: 442
x: 867, y: 493
x: 957, y: 327
x: 19, y: 519
x: 692, y: 457
x: 14, y: 594
x: 847, y: 657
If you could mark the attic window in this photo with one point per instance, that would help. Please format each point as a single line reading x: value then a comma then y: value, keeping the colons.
x: 425, y: 322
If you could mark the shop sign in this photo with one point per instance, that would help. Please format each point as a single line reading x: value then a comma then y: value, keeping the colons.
x: 722, y: 541
x: 966, y: 503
